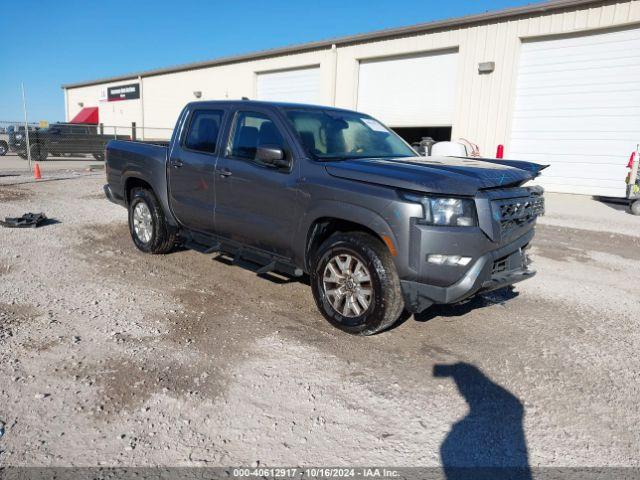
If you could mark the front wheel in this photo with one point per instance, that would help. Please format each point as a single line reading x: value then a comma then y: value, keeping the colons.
x: 635, y: 207
x: 147, y: 223
x: 99, y: 157
x: 4, y: 148
x: 355, y: 284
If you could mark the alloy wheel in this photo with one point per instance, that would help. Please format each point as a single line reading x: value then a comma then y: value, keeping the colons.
x: 142, y: 222
x: 347, y: 285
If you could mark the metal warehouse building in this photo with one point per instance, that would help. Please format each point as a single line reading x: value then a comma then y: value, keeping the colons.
x: 556, y: 83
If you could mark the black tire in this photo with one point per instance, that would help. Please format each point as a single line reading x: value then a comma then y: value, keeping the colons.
x: 163, y: 237
x: 386, y: 303
x: 4, y: 148
x: 99, y: 157
x: 635, y: 207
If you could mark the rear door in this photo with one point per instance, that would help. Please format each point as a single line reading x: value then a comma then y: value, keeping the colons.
x: 191, y: 170
x: 76, y: 140
x: 84, y: 140
x: 255, y: 203
x: 94, y: 143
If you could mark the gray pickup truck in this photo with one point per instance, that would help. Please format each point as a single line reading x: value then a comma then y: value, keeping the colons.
x: 336, y: 195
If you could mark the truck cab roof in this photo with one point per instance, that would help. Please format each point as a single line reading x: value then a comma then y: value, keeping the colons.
x: 262, y: 103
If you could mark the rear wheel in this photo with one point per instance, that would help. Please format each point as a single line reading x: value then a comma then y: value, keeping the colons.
x: 635, y: 207
x: 4, y: 148
x: 355, y: 284
x: 147, y: 223
x: 99, y: 157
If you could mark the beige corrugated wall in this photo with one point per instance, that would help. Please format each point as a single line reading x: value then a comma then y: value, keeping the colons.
x: 484, y: 103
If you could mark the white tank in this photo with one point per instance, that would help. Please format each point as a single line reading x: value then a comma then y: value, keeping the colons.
x: 448, y: 149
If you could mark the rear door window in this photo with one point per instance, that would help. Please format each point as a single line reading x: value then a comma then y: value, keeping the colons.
x: 204, y: 130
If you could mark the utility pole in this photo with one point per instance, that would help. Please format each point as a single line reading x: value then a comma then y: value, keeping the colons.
x: 26, y: 125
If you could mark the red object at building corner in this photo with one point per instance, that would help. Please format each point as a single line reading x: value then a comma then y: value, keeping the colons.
x: 500, y: 151
x: 630, y: 164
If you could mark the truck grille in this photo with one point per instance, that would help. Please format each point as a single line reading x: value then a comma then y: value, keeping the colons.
x: 513, y: 213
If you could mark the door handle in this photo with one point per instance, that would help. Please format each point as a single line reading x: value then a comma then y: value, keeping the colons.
x: 224, y: 172
x: 176, y: 163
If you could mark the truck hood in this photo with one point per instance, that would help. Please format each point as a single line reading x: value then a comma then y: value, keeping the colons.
x: 448, y: 175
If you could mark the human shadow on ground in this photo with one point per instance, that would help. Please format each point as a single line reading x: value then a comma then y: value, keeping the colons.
x: 489, y: 442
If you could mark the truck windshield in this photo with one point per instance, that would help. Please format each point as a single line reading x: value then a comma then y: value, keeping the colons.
x: 332, y: 134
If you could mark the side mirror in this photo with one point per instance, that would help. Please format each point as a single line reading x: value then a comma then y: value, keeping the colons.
x: 272, y: 155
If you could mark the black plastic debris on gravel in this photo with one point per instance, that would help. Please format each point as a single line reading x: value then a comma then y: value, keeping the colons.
x: 28, y: 220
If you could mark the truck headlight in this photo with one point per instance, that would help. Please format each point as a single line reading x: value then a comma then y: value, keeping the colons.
x: 450, y: 212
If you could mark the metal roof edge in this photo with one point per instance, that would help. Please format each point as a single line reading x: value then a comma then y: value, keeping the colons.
x: 347, y: 40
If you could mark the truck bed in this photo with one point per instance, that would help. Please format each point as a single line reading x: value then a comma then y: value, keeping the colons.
x: 142, y: 160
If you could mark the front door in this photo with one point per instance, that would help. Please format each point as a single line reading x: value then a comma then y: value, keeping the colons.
x: 256, y: 203
x: 191, y: 171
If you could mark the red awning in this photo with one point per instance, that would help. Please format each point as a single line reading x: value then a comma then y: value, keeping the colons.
x: 87, y: 115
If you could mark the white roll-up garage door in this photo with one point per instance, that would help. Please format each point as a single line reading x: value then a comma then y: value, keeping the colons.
x: 578, y: 109
x: 411, y: 91
x: 301, y: 85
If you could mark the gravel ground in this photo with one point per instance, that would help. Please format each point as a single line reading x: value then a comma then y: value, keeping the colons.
x: 12, y: 163
x: 112, y: 357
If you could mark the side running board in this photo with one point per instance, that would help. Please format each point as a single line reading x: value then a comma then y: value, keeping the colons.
x: 267, y: 262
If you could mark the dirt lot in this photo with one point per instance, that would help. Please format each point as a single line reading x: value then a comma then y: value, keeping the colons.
x: 112, y: 357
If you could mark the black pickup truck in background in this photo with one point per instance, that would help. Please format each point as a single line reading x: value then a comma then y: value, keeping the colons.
x: 62, y: 140
x: 4, y: 141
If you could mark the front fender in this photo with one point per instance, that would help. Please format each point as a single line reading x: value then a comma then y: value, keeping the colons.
x: 340, y: 211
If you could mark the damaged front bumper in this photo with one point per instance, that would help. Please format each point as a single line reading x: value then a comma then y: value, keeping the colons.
x: 495, y: 269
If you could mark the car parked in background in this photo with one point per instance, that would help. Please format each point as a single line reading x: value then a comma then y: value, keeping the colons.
x: 4, y: 141
x: 62, y: 139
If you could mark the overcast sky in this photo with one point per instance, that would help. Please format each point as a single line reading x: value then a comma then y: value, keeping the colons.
x: 48, y: 43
